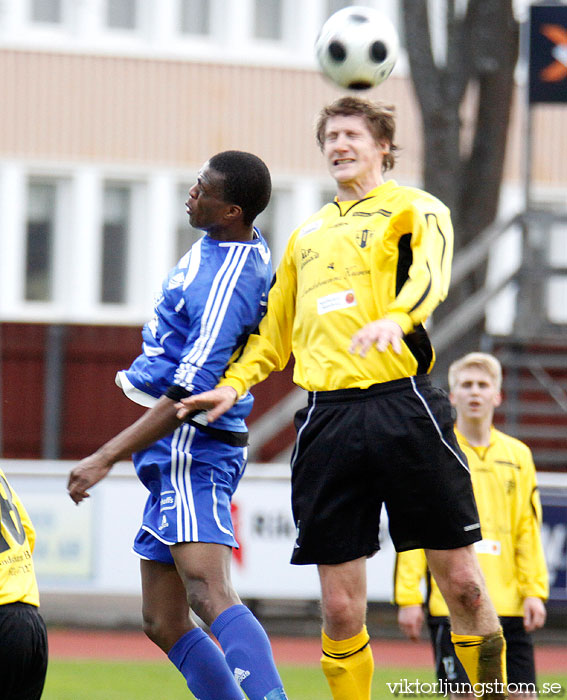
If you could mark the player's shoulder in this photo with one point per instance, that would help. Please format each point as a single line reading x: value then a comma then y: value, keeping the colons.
x: 314, y: 222
x: 408, y: 197
x: 511, y: 443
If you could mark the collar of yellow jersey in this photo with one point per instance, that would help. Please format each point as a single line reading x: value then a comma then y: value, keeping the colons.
x: 379, y: 191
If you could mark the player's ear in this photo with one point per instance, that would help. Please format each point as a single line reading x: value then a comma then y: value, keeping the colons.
x: 497, y: 400
x: 233, y: 212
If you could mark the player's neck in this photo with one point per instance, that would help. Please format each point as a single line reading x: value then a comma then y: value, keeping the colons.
x: 477, y: 432
x: 356, y: 190
x: 234, y: 234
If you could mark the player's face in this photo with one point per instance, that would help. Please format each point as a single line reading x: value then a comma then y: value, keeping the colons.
x: 353, y: 157
x: 475, y: 397
x: 206, y: 205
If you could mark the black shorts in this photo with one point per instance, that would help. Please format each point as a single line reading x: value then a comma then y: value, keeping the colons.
x: 519, y: 651
x: 23, y: 652
x: 358, y: 448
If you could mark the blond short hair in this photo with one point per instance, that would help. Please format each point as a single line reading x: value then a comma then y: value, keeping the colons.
x: 484, y: 361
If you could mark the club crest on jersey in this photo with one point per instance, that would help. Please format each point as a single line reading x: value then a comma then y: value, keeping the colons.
x: 363, y: 237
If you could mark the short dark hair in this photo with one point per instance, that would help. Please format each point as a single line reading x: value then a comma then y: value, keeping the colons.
x: 379, y: 118
x: 247, y: 181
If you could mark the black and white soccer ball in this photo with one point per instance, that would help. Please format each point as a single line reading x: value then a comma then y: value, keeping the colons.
x: 357, y: 47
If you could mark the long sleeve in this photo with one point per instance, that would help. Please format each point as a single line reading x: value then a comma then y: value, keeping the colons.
x: 429, y: 257
x: 268, y: 348
x: 530, y: 558
x: 410, y: 569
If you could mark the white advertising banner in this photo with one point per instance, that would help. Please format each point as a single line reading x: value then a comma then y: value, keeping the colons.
x: 87, y: 548
x: 266, y: 533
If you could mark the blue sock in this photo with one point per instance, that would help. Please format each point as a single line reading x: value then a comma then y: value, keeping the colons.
x: 204, y: 667
x: 248, y: 653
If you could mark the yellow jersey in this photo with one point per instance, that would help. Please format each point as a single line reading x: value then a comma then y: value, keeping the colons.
x: 511, y: 552
x: 17, y: 539
x: 387, y: 255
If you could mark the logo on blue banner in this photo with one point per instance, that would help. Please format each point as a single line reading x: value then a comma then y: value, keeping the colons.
x: 548, y: 53
x: 554, y: 539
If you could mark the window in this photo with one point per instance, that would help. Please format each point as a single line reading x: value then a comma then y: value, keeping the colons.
x: 116, y: 225
x: 46, y: 11
x: 195, y: 16
x: 186, y: 234
x: 268, y: 19
x: 121, y: 14
x: 40, y: 236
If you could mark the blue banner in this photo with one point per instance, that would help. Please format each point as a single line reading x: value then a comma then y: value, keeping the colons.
x: 548, y: 53
x: 554, y: 537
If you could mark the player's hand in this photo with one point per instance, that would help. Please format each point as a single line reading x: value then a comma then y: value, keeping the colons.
x: 534, y: 613
x: 382, y: 334
x: 410, y: 620
x: 86, y: 474
x: 215, y: 402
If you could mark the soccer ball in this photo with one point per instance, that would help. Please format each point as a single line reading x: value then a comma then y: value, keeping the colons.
x: 357, y: 47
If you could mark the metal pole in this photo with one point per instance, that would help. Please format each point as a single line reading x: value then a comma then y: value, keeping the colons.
x: 53, y: 392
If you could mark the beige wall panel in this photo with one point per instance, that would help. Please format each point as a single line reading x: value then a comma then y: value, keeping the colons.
x: 169, y: 113
x: 176, y: 113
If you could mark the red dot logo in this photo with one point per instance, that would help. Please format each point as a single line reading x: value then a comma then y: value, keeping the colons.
x: 349, y: 298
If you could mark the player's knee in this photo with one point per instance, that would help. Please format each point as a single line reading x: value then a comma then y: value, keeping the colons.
x: 465, y: 589
x: 208, y: 598
x: 155, y: 630
x: 340, y: 610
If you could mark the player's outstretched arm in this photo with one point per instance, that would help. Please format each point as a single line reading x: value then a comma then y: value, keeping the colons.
x: 215, y: 402
x: 155, y: 423
x: 86, y: 474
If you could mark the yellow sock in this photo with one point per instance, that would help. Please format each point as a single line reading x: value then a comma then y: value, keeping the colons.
x: 348, y: 666
x: 484, y: 660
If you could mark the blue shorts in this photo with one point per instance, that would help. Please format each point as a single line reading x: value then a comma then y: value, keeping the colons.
x: 191, y: 478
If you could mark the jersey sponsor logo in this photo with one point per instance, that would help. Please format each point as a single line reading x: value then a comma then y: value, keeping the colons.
x: 336, y: 301
x: 488, y: 547
x: 307, y: 256
x: 364, y: 237
x: 355, y: 271
x: 310, y: 228
x: 167, y: 500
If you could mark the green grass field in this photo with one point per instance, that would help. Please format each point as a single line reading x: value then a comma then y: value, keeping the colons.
x: 96, y: 680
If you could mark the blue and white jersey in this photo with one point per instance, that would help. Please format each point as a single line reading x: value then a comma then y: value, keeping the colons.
x: 209, y: 303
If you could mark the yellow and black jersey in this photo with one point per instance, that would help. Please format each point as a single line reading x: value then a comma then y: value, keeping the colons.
x: 385, y: 256
x: 510, y: 553
x: 17, y: 539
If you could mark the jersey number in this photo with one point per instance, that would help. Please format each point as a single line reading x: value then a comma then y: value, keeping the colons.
x: 9, y: 517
